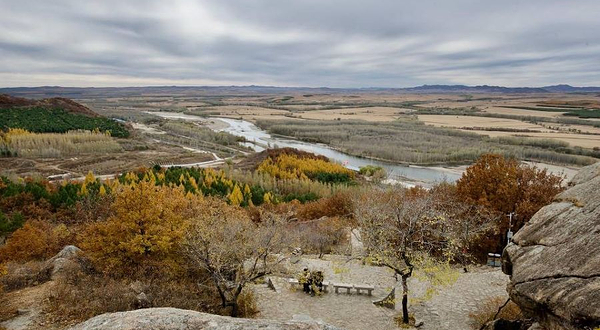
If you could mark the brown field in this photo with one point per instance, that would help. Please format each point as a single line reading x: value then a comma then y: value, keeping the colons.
x: 471, y: 123
x: 521, y: 112
x: 575, y: 140
x: 245, y: 112
x: 374, y: 114
x: 477, y: 122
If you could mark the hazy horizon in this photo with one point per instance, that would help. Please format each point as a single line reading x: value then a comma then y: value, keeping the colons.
x: 336, y: 44
x: 291, y: 87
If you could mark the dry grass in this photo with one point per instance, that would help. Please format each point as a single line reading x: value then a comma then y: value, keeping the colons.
x: 82, y: 296
x: 247, y: 304
x: 488, y: 309
x: 400, y: 322
x: 23, y: 275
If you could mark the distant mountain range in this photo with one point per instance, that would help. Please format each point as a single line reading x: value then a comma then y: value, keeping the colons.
x: 501, y: 89
x: 87, y: 92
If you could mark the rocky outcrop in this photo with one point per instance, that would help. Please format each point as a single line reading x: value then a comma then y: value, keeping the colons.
x: 554, y: 260
x: 179, y: 319
x: 68, y: 260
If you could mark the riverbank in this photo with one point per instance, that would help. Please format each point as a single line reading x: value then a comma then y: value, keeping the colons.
x: 407, y: 174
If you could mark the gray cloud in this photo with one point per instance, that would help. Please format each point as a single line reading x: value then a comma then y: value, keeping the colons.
x: 337, y: 43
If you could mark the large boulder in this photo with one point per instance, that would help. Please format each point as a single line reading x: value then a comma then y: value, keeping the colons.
x: 67, y: 261
x: 554, y: 260
x: 180, y: 319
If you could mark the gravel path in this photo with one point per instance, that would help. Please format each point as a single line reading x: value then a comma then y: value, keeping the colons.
x: 449, y: 309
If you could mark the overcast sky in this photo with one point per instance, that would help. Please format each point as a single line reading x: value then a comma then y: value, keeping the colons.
x: 344, y: 43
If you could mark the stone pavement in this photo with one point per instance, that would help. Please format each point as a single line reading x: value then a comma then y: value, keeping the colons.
x: 448, y: 309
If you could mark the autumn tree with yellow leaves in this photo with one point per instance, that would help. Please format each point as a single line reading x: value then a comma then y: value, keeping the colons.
x: 288, y: 166
x: 143, y: 233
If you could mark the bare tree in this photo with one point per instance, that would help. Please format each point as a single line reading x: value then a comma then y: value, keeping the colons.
x: 233, y: 250
x: 400, y: 228
x: 467, y: 222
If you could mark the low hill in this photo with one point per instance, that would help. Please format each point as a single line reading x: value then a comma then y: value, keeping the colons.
x: 7, y: 101
x: 54, y: 115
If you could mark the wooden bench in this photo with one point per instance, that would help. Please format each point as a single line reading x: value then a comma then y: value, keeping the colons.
x: 348, y: 287
x: 368, y: 288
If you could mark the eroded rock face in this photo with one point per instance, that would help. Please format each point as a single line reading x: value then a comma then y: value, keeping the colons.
x: 554, y: 261
x: 179, y: 319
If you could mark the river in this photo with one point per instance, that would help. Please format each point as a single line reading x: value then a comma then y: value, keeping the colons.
x: 259, y: 140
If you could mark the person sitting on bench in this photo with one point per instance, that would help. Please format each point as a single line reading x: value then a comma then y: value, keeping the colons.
x: 316, y: 283
x: 304, y: 279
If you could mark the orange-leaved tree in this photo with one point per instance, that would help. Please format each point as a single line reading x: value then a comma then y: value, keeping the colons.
x: 37, y: 239
x: 505, y: 185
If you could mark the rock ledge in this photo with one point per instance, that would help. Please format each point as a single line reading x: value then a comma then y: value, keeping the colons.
x: 180, y: 319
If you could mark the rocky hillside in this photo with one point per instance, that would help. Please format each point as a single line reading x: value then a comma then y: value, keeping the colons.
x: 179, y: 319
x: 554, y: 262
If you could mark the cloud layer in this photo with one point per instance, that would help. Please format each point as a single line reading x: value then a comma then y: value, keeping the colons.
x: 335, y: 43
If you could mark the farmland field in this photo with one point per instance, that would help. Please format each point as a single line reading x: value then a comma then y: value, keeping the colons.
x: 419, y: 129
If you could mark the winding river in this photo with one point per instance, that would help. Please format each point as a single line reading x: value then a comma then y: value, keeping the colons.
x: 259, y: 140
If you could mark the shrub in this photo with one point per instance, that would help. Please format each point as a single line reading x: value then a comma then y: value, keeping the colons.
x: 19, y: 276
x: 247, y: 304
x: 338, y: 205
x: 321, y: 236
x: 80, y: 296
x: 36, y: 240
x: 10, y: 224
x: 369, y: 170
